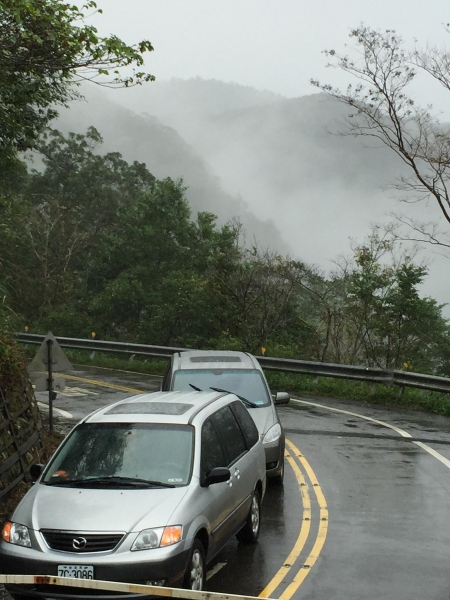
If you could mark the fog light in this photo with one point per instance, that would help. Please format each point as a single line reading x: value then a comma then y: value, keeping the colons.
x: 157, y: 582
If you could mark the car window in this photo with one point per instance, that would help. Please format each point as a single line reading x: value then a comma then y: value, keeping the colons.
x: 212, y: 455
x: 165, y: 387
x: 248, y: 383
x: 230, y: 434
x: 134, y: 450
x: 247, y: 424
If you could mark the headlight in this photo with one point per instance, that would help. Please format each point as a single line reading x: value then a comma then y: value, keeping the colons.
x: 273, y: 434
x: 14, y: 533
x: 156, y: 538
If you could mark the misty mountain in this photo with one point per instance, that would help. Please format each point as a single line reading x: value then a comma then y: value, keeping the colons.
x: 283, y: 156
x: 279, y: 164
x: 145, y: 139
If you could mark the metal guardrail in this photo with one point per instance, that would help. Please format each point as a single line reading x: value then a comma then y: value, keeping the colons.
x: 288, y: 365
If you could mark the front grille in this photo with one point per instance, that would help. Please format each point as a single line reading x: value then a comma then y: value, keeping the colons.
x: 78, y: 542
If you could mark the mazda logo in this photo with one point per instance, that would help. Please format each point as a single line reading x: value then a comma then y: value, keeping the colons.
x: 79, y: 543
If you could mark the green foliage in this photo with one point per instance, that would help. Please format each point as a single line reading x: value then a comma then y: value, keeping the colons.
x: 122, y: 362
x: 45, y: 47
x: 370, y: 312
x: 411, y: 399
x: 93, y: 243
x: 13, y: 367
x: 52, y: 220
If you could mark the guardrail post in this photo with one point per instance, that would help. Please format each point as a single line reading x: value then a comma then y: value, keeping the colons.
x: 401, y: 389
x: 50, y: 383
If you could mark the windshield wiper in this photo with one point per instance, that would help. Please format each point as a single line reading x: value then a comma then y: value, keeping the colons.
x: 197, y: 389
x: 244, y: 400
x: 110, y: 480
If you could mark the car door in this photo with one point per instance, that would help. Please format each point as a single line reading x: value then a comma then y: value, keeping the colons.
x: 239, y: 461
x: 219, y: 496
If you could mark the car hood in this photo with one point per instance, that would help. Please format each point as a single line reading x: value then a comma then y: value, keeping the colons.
x: 263, y: 417
x: 52, y: 507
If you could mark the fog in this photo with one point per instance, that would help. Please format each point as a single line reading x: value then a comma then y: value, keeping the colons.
x: 277, y: 164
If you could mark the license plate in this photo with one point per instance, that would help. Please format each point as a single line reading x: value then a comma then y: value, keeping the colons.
x: 77, y: 571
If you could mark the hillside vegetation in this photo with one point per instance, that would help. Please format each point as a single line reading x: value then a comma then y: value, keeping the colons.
x: 91, y: 243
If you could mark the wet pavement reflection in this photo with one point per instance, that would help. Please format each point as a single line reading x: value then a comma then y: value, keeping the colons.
x: 388, y: 500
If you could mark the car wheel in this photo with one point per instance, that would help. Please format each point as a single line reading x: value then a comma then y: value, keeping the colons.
x: 195, y: 576
x: 279, y: 478
x: 250, y: 532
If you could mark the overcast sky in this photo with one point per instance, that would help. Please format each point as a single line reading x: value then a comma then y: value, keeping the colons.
x: 267, y: 44
x: 274, y: 45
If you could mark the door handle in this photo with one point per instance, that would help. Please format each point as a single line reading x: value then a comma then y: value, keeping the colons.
x: 229, y: 483
x: 237, y: 473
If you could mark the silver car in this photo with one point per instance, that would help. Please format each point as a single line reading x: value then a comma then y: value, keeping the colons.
x: 241, y: 374
x: 146, y: 490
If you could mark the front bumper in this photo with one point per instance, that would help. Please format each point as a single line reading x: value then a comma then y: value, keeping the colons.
x: 144, y: 566
x: 274, y: 457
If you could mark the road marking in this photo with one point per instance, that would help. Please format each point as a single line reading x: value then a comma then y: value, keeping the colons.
x: 302, y: 537
x: 113, y: 386
x: 62, y: 412
x: 215, y: 570
x: 402, y: 432
x: 322, y: 531
x: 77, y: 391
x: 434, y: 453
x: 120, y: 370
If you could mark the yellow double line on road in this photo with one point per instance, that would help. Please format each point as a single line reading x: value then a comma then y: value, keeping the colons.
x: 305, y: 530
x: 120, y: 388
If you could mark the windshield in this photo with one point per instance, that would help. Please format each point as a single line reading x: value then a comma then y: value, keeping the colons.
x: 124, y: 455
x: 243, y: 382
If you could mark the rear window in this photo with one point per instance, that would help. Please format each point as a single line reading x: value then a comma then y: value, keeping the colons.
x: 244, y: 382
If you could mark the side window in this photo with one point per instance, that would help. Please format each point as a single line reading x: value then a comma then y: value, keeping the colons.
x: 211, y: 454
x: 246, y: 422
x: 166, y: 379
x: 230, y: 433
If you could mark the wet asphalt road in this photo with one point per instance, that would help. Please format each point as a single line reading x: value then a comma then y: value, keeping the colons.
x: 387, y: 531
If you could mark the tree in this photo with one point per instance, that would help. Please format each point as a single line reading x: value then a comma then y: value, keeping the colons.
x: 154, y: 275
x: 45, y: 48
x: 383, y: 110
x: 381, y: 319
x: 50, y: 221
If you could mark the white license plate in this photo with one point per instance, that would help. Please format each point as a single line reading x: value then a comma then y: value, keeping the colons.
x: 77, y: 571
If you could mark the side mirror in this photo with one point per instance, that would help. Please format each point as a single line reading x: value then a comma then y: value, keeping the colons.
x: 282, y: 398
x: 217, y: 475
x: 36, y: 471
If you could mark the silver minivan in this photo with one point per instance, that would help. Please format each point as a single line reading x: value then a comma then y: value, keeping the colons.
x: 146, y: 490
x: 241, y: 374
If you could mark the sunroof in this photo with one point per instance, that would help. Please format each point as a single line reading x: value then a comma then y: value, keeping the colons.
x: 149, y: 408
x: 204, y: 359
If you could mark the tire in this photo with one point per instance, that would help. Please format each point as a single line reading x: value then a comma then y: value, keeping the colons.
x: 250, y: 532
x: 278, y: 479
x: 195, y: 575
